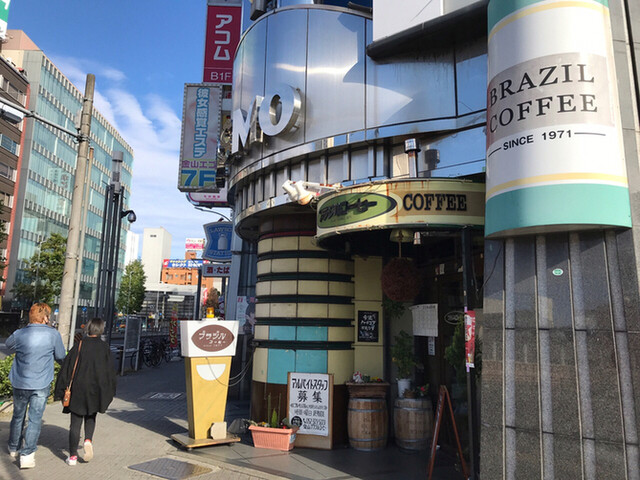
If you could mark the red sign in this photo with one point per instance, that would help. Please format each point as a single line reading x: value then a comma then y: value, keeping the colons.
x: 212, y: 338
x: 470, y: 337
x: 224, y: 24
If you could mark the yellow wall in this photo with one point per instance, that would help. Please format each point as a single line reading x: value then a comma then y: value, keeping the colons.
x: 368, y: 357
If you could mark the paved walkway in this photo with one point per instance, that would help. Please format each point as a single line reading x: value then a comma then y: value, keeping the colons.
x: 150, y: 406
x: 135, y: 429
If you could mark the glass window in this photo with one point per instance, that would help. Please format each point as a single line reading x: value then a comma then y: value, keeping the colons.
x: 94, y: 221
x: 381, y: 167
x: 89, y: 267
x: 281, y: 176
x: 297, y: 172
x: 9, y: 145
x: 316, y: 171
x: 360, y: 164
x: 336, y: 168
x: 268, y: 186
x: 471, y: 75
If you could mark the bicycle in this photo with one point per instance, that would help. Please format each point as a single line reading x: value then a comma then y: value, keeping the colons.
x: 168, y: 352
x: 149, y: 353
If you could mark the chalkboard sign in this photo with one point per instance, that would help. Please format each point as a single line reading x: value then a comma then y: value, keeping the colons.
x: 368, y: 326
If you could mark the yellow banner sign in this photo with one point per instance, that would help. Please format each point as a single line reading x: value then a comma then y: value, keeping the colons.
x: 401, y: 203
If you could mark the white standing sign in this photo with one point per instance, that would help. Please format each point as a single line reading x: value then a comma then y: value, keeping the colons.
x: 309, y: 395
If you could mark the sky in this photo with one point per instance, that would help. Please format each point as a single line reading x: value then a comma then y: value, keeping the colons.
x: 142, y: 52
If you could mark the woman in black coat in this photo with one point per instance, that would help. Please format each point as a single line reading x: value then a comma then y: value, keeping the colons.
x: 92, y: 390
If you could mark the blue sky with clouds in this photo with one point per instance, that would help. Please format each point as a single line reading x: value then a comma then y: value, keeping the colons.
x: 142, y: 52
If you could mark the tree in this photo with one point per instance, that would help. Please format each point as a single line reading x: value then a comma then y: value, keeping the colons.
x: 132, y: 289
x: 212, y: 301
x: 43, y: 278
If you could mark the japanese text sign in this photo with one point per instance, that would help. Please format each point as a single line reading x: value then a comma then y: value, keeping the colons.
x: 199, y: 143
x: 215, y: 270
x: 309, y: 395
x: 208, y: 338
x: 223, y: 35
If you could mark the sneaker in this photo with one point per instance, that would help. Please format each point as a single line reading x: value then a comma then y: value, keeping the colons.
x: 72, y: 460
x: 28, y: 461
x: 88, y: 450
x: 12, y: 453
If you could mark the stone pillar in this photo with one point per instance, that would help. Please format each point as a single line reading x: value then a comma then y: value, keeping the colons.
x: 561, y: 358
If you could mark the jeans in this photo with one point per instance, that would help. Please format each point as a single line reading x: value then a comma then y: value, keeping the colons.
x: 36, y: 400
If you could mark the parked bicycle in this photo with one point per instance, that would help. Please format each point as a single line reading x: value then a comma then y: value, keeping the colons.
x: 168, y: 352
x: 150, y: 353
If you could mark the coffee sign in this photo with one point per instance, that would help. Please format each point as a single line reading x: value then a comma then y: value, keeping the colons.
x: 208, y: 338
x: 212, y: 338
x: 397, y: 203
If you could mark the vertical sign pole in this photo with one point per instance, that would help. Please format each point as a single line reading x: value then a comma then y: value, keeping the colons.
x: 467, y: 285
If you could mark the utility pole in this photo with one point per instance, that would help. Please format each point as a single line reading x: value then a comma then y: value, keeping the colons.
x: 72, y: 253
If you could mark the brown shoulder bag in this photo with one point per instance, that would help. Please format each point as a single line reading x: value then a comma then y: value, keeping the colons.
x: 66, y: 400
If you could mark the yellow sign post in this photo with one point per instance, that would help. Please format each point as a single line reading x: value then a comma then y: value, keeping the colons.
x: 208, y: 347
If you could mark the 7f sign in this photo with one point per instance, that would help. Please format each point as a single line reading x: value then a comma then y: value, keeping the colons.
x: 223, y: 36
x: 200, y: 130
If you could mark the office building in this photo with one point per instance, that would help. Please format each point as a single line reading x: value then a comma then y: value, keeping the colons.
x: 14, y: 88
x: 43, y: 203
x: 156, y: 247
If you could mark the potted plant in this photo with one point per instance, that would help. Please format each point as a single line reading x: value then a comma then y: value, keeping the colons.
x: 364, y: 386
x: 402, y: 356
x: 276, y: 435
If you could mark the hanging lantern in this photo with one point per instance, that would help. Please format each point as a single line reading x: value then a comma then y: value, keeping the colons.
x: 401, y: 235
x: 401, y: 279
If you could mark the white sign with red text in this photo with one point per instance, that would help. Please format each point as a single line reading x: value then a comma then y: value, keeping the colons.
x: 216, y: 270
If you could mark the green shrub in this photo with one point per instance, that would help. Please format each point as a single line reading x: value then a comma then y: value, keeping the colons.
x: 5, y: 385
x: 6, y: 390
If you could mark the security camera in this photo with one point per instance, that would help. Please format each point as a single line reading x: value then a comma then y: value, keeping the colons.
x: 304, y: 192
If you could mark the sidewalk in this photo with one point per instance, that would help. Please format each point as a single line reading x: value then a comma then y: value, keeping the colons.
x: 150, y: 405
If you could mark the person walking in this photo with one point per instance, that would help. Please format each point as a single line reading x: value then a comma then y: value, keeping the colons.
x: 92, y: 388
x: 36, y: 346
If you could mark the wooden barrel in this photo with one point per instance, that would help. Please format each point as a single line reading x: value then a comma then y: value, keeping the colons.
x: 367, y: 423
x: 413, y: 422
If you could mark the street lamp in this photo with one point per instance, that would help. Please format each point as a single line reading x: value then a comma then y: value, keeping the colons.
x: 110, y: 244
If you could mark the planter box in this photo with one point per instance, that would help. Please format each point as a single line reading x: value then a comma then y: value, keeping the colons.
x: 273, y: 438
x: 367, y: 390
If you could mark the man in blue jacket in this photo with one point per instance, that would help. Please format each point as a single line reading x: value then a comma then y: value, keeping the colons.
x: 36, y: 346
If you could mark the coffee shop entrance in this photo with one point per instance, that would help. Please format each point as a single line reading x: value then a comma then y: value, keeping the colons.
x: 419, y: 243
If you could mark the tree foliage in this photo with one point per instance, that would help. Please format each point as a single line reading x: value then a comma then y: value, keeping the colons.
x: 43, y: 277
x: 132, y: 289
x: 212, y: 298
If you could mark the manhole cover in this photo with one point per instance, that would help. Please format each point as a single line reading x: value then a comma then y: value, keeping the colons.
x: 161, y: 396
x: 170, y: 469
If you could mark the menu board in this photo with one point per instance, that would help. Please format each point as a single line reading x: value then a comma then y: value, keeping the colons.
x: 368, y: 326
